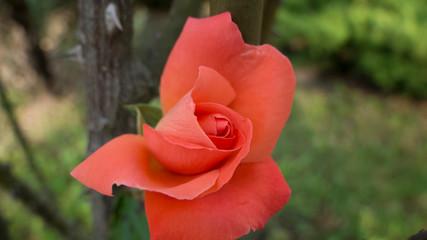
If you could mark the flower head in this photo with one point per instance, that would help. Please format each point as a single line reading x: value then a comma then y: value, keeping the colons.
x: 206, y: 166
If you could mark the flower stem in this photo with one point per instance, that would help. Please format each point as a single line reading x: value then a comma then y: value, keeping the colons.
x: 247, y: 14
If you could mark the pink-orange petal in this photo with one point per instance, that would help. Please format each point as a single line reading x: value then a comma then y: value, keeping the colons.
x: 255, y: 193
x: 181, y: 122
x: 117, y: 162
x: 210, y: 86
x: 264, y: 82
x: 126, y: 160
x: 223, y: 142
x: 179, y: 157
x: 209, y: 42
x: 208, y: 124
x: 227, y: 168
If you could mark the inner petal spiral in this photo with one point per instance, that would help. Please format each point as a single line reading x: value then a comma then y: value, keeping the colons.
x: 218, y: 128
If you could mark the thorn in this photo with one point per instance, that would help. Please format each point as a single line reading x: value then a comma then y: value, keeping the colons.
x: 112, y: 18
x: 75, y: 54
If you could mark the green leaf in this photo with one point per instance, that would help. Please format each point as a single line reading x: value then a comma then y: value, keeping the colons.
x: 129, y: 220
x: 150, y: 114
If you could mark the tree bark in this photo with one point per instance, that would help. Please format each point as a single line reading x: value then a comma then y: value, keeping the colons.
x: 247, y: 14
x: 110, y: 83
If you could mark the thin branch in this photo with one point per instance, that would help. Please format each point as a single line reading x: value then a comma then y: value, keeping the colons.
x: 29, y: 155
x: 4, y: 232
x: 247, y: 14
x: 39, y: 204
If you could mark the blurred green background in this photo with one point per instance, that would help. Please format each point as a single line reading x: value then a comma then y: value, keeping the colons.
x: 354, y: 150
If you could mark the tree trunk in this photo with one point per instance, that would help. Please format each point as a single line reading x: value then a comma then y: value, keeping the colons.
x: 110, y: 83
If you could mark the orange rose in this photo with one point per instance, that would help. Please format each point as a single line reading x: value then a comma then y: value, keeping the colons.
x: 206, y: 167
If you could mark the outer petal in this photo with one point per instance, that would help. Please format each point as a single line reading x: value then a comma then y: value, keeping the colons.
x: 254, y: 194
x: 208, y: 42
x: 264, y: 92
x: 261, y: 76
x: 125, y: 160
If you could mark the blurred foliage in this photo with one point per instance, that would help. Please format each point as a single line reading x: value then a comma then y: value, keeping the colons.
x: 356, y: 166
x: 383, y: 41
x: 58, y: 137
x: 40, y: 10
x: 129, y: 221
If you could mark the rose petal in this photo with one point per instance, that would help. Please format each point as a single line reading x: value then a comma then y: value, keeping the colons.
x: 179, y: 157
x: 228, y: 167
x: 261, y: 76
x: 208, y: 124
x: 210, y: 86
x: 254, y: 194
x: 215, y: 124
x: 206, y: 42
x: 223, y: 126
x: 264, y: 93
x: 181, y: 122
x: 223, y: 142
x: 126, y: 160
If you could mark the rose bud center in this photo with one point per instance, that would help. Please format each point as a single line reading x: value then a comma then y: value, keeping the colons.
x: 218, y: 128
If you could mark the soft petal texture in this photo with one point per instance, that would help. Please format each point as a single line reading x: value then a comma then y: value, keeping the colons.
x: 160, y: 147
x: 179, y: 157
x: 208, y: 124
x: 223, y: 142
x: 215, y: 40
x: 210, y: 86
x: 228, y: 167
x: 254, y: 194
x: 181, y: 123
x: 215, y: 124
x: 262, y: 78
x: 125, y: 160
x: 267, y: 103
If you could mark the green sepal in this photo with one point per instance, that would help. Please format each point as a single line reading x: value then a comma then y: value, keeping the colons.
x: 129, y: 220
x: 148, y: 113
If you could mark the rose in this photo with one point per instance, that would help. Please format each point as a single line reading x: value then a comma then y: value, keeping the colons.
x: 206, y: 167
